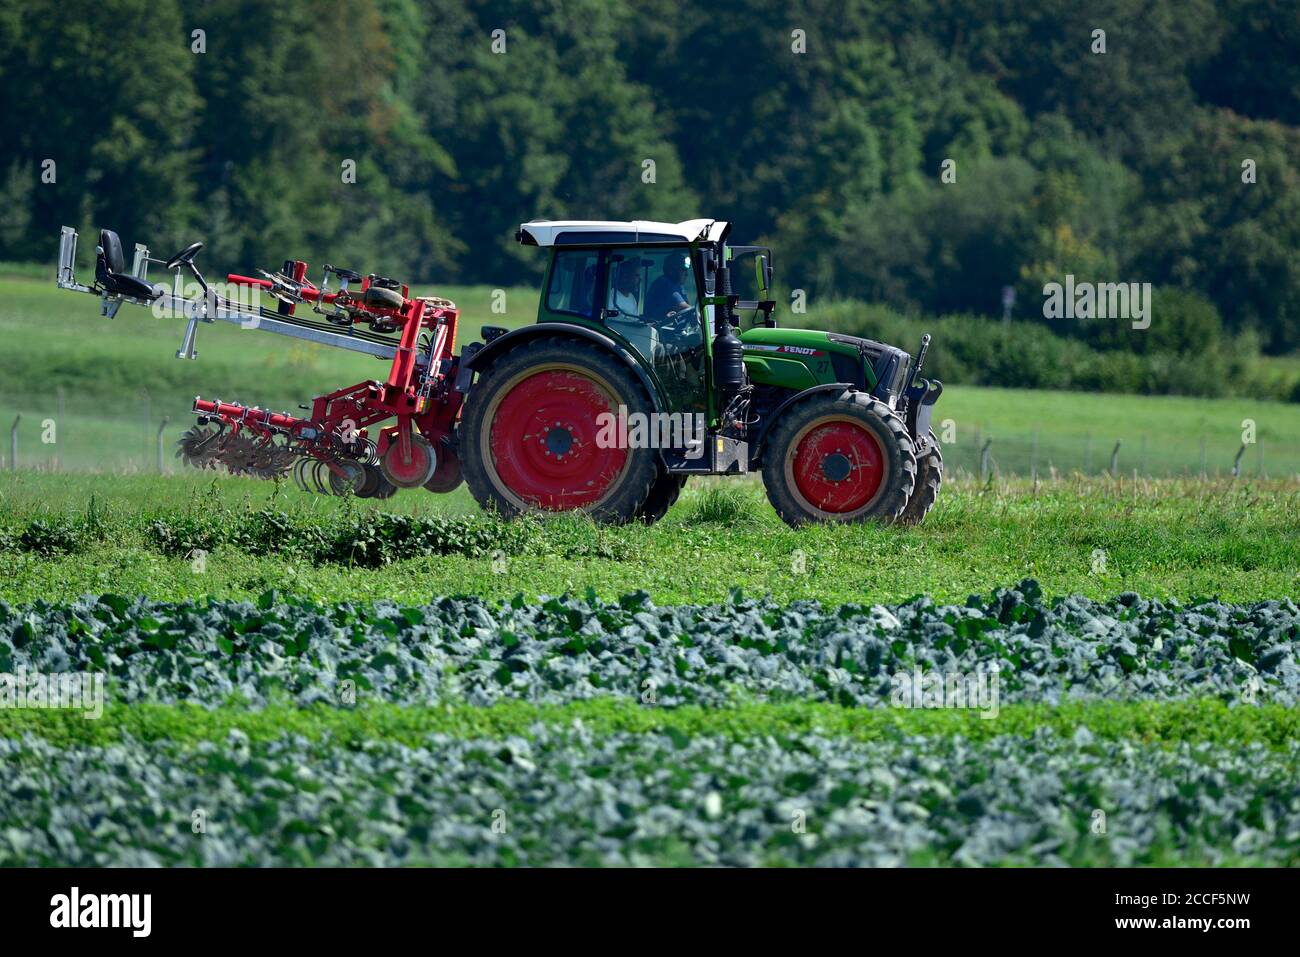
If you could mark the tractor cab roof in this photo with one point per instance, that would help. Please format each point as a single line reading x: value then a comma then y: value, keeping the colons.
x: 587, y: 232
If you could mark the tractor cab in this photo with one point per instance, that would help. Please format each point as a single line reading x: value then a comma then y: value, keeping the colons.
x: 670, y: 327
x: 653, y: 288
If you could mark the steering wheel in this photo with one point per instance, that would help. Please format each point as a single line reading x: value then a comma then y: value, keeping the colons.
x: 684, y: 320
x: 185, y: 256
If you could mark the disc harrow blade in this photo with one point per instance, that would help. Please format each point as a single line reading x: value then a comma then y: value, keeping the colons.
x: 237, y: 453
x: 197, y: 447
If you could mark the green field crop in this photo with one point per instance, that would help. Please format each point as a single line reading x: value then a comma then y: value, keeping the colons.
x: 629, y: 732
x: 570, y: 796
x: 1015, y: 646
x: 613, y: 733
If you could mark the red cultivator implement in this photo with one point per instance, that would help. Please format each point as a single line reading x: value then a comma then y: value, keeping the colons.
x: 367, y: 439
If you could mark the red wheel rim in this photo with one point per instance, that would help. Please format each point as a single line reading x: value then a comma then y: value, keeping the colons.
x: 837, y: 466
x: 543, y: 440
x: 414, y: 472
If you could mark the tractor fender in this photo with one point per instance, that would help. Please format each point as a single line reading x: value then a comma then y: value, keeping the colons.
x: 484, y: 357
x: 757, y: 454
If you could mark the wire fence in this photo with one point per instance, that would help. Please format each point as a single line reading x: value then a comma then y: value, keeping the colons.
x: 139, y: 434
x: 1043, y: 453
x: 56, y: 434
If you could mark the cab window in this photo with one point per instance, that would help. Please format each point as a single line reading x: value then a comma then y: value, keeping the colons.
x: 573, y: 283
x: 650, y: 285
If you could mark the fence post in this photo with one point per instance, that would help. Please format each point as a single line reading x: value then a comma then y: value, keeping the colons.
x: 1033, y: 459
x: 984, y: 460
x: 1114, y: 461
x: 1236, y: 462
x: 13, y: 442
x: 161, y: 428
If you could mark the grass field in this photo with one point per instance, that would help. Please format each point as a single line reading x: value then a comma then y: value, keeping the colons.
x: 1096, y: 538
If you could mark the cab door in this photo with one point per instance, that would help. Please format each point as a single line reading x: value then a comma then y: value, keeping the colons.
x: 651, y: 301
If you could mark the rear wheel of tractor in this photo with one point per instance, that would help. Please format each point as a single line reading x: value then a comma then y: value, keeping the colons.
x: 929, y: 476
x: 415, y: 472
x: 663, y: 495
x: 845, y: 458
x: 531, y: 434
x: 448, y: 475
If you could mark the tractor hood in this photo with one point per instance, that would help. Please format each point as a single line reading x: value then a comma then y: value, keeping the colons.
x: 889, y: 363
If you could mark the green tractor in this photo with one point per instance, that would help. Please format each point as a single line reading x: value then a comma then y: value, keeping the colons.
x: 655, y: 357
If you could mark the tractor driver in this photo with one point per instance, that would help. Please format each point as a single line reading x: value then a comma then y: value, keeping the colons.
x: 625, y: 317
x: 669, y: 304
x: 667, y: 295
x: 627, y: 284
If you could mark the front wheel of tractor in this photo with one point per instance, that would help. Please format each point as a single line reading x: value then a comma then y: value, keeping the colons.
x: 839, y: 458
x: 929, y: 476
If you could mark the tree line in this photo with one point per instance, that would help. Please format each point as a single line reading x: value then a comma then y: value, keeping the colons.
x: 922, y: 155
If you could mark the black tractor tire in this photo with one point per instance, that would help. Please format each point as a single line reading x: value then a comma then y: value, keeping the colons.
x: 843, y: 457
x: 663, y: 495
x: 929, y: 476
x: 568, y: 382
